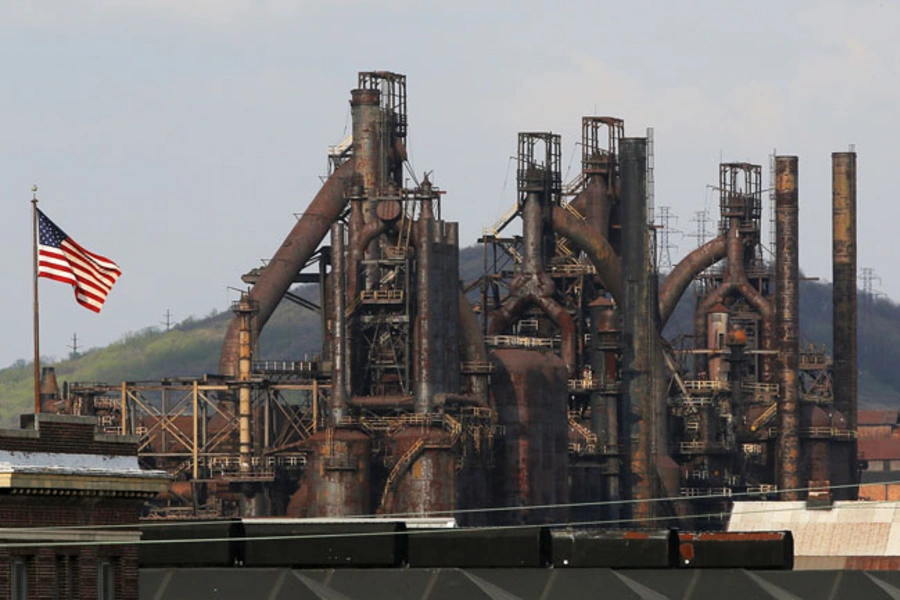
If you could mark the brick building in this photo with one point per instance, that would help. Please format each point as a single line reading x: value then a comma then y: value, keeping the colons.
x: 68, y: 496
x: 879, y: 448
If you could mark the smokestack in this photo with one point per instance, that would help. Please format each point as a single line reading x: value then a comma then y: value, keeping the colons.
x: 637, y: 325
x: 843, y: 186
x: 49, y: 389
x: 424, y: 388
x: 366, y: 114
x: 787, y: 273
x: 338, y: 326
x: 532, y: 233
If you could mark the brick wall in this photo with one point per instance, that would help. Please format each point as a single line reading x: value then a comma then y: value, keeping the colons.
x: 60, y: 511
x: 65, y: 434
x: 73, y: 570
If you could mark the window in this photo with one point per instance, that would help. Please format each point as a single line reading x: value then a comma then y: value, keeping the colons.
x: 66, y: 577
x: 106, y: 581
x: 19, y: 579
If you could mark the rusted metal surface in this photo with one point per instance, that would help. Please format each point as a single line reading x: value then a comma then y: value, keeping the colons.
x: 844, y: 302
x: 279, y: 273
x: 637, y: 329
x: 595, y: 246
x: 427, y: 482
x: 815, y: 450
x: 367, y: 141
x: 736, y: 283
x: 533, y: 286
x: 787, y: 299
x: 338, y: 320
x: 245, y: 311
x: 451, y: 310
x: 337, y: 477
x: 594, y: 203
x: 530, y: 394
x: 685, y: 272
x: 425, y: 322
x: 471, y: 346
x: 49, y: 391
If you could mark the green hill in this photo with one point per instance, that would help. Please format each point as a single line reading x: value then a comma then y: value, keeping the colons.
x: 191, y: 348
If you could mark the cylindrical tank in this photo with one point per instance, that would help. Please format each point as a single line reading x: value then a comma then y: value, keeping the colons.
x: 337, y: 476
x: 428, y: 483
x: 817, y: 423
x: 530, y: 393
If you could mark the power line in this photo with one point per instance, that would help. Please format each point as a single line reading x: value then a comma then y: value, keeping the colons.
x: 448, y: 531
x: 499, y: 509
x: 701, y: 218
x: 666, y: 218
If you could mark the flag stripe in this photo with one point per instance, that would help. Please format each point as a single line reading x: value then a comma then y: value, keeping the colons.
x: 89, y: 271
x: 62, y: 259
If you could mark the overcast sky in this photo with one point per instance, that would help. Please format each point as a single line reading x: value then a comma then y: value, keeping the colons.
x: 180, y: 137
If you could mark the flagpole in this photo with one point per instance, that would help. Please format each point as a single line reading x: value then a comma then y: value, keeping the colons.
x: 37, y: 329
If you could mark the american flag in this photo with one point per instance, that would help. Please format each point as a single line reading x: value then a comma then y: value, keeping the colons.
x: 61, y: 259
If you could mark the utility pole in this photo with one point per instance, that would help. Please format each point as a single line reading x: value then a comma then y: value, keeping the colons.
x: 701, y: 218
x: 868, y: 278
x: 666, y: 218
x: 74, y: 347
x: 168, y: 322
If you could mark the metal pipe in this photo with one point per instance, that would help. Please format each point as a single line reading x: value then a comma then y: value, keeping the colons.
x: 371, y: 402
x: 245, y: 313
x: 339, y: 326
x: 471, y: 345
x: 279, y: 273
x: 532, y: 234
x: 595, y: 245
x: 423, y: 385
x: 637, y: 326
x: 843, y: 165
x: 787, y: 273
x: 604, y: 405
x: 685, y: 272
x: 367, y: 138
x: 437, y: 309
x: 735, y: 282
x: 594, y: 203
x: 451, y: 307
x: 361, y: 240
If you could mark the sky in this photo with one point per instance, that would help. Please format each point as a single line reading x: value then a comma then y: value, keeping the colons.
x: 181, y: 137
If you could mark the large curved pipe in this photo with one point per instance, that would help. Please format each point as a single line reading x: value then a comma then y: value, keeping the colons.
x: 595, y: 245
x: 736, y: 283
x: 278, y: 275
x: 566, y: 324
x: 364, y: 237
x: 537, y: 289
x: 685, y: 272
x: 594, y: 204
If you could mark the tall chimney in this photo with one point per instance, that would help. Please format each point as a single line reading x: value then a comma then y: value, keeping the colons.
x: 787, y: 309
x: 637, y: 326
x: 843, y: 187
x: 339, y: 389
x: 368, y: 162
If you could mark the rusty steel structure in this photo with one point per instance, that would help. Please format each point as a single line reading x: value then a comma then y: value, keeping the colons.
x: 843, y: 185
x: 544, y: 381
